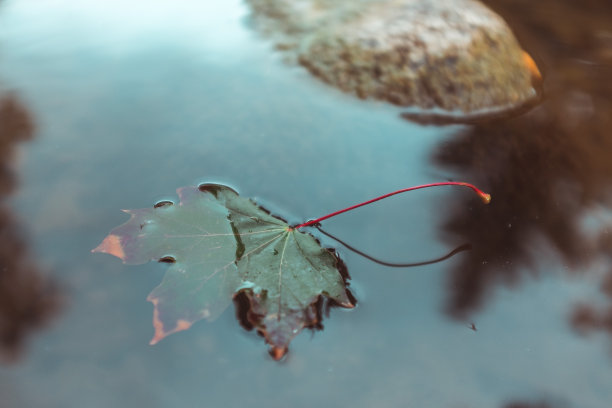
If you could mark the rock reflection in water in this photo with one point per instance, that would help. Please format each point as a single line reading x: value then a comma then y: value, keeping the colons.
x: 27, y: 298
x: 545, y: 169
x: 541, y: 175
x: 585, y: 36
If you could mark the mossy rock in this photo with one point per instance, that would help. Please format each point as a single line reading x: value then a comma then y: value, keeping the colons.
x: 452, y: 54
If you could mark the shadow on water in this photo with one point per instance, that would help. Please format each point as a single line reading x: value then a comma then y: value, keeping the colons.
x: 28, y: 299
x: 547, y: 170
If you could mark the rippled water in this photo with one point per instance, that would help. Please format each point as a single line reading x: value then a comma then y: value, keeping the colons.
x: 127, y: 101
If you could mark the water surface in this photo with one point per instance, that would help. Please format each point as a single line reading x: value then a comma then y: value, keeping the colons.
x: 129, y: 101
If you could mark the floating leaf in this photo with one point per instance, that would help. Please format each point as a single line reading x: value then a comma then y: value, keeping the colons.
x: 220, y: 244
x: 223, y: 247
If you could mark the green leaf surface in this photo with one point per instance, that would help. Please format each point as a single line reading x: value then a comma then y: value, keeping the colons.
x: 220, y: 244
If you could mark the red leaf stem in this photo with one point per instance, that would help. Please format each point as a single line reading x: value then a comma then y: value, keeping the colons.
x: 486, y: 198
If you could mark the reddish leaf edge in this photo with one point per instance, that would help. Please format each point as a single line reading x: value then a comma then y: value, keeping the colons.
x: 160, y: 333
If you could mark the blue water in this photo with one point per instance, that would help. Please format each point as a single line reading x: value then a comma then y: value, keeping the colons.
x: 131, y: 100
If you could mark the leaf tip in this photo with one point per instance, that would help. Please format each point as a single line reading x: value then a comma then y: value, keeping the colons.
x: 278, y: 352
x: 348, y: 305
x: 111, y: 245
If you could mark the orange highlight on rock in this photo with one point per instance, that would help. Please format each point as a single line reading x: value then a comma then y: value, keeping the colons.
x: 531, y: 65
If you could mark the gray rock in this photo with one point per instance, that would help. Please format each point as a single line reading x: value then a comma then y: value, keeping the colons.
x: 449, y: 54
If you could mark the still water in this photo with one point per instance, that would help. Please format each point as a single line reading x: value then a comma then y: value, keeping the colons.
x: 126, y: 101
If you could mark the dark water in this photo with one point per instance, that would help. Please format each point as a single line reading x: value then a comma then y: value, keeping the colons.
x: 108, y: 105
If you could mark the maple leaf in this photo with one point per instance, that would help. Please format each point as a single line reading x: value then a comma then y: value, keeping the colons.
x: 223, y: 247
x: 221, y: 244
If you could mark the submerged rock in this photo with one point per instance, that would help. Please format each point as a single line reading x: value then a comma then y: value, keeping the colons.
x: 449, y: 54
